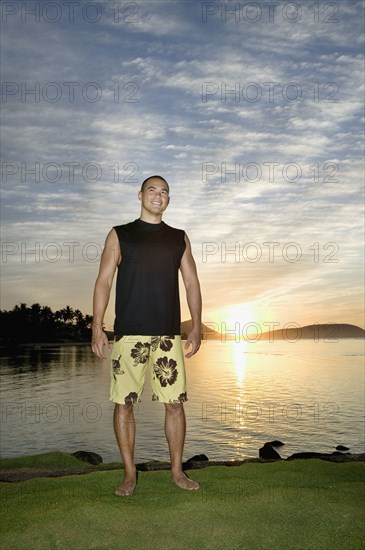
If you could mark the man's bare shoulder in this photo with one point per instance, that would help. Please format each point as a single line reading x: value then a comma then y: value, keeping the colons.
x: 112, y: 236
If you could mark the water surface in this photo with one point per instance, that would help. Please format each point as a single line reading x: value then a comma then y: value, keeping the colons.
x: 309, y: 395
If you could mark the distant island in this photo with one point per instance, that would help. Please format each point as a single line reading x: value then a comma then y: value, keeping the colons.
x: 326, y: 332
x: 320, y: 331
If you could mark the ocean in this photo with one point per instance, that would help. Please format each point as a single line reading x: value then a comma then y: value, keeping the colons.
x: 307, y: 394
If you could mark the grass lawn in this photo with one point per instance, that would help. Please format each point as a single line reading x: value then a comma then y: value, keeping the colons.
x: 301, y: 504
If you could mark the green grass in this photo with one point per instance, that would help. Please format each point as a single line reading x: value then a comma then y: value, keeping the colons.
x: 303, y: 504
x: 48, y: 461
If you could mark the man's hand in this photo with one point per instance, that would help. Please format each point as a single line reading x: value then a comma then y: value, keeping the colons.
x: 99, y: 342
x: 194, y: 340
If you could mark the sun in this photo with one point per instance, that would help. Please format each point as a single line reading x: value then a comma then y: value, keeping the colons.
x: 242, y: 321
x: 237, y: 320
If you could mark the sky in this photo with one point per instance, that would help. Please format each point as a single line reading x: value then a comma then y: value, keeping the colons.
x: 252, y: 111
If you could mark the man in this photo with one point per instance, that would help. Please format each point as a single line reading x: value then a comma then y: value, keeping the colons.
x: 148, y: 255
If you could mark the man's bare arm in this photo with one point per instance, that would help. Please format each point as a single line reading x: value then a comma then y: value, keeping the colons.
x: 193, y: 296
x: 110, y: 259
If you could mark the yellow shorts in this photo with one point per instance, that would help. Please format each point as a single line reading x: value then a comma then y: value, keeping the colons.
x: 130, y: 358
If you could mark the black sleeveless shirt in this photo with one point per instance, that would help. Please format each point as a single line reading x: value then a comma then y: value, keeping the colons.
x: 147, y: 289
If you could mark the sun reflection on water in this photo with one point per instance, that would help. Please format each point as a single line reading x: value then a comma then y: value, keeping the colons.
x: 239, y: 361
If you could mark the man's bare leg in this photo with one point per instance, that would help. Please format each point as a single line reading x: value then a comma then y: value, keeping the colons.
x: 175, y: 428
x: 125, y: 431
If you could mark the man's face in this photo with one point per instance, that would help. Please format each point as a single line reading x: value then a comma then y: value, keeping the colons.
x: 155, y: 196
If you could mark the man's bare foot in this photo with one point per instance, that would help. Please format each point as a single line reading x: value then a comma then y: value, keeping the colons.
x: 182, y: 481
x: 128, y: 486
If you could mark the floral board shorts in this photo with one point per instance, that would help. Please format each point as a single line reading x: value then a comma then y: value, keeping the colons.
x: 130, y: 357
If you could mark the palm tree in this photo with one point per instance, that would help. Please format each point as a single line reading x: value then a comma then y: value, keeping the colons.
x: 79, y: 318
x: 24, y: 323
x: 67, y: 314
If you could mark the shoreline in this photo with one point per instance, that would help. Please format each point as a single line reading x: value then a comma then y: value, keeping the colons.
x: 15, y: 475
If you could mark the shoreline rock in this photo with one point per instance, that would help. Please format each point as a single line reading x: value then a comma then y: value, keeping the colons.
x: 342, y: 448
x: 268, y: 451
x: 89, y: 457
x: 336, y: 456
x: 198, y: 458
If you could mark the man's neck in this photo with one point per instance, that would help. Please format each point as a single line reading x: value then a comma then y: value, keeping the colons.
x: 150, y: 218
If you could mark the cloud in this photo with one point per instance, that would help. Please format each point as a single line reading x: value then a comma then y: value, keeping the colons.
x: 257, y: 127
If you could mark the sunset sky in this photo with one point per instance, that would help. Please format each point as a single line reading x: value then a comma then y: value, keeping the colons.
x: 252, y: 111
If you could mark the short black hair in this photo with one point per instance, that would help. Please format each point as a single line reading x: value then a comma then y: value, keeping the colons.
x: 151, y: 177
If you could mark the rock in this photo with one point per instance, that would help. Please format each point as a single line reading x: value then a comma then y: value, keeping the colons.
x: 342, y: 448
x: 198, y: 458
x: 276, y: 443
x: 308, y: 454
x: 336, y: 456
x: 88, y: 456
x: 268, y: 452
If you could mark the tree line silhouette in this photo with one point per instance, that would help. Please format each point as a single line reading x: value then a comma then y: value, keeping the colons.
x: 40, y: 324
